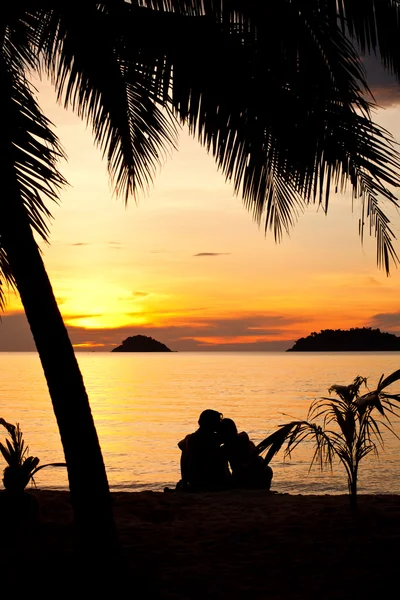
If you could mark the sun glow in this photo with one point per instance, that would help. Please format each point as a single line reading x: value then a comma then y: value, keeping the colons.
x: 88, y: 346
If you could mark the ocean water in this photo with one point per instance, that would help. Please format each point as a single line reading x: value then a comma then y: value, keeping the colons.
x: 143, y: 404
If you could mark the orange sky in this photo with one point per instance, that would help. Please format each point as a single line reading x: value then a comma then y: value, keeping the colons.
x: 188, y: 265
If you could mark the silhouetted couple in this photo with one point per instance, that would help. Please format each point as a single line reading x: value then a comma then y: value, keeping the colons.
x: 217, y: 457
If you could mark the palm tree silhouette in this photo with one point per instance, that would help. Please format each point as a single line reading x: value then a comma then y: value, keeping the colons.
x: 344, y: 428
x: 275, y: 91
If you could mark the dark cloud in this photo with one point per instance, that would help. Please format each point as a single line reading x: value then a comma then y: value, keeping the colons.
x: 80, y: 244
x: 383, y: 85
x: 197, y: 334
x: 212, y: 254
x: 140, y: 294
x: 15, y: 334
x: 387, y: 96
x: 386, y: 322
x: 192, y: 345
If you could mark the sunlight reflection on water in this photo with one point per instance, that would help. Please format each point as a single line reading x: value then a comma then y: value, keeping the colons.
x: 143, y: 404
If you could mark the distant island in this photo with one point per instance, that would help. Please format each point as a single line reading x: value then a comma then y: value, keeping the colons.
x: 141, y: 343
x: 363, y: 339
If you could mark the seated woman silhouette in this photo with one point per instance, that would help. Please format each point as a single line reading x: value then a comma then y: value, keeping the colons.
x: 249, y: 470
x: 203, y: 462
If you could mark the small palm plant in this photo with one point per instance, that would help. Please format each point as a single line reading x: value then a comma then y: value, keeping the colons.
x: 21, y: 468
x: 349, y: 430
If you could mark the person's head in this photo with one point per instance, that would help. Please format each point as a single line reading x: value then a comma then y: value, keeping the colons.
x: 210, y: 420
x: 227, y: 429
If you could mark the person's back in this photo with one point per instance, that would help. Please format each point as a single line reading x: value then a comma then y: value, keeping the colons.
x: 203, y: 464
x: 249, y: 470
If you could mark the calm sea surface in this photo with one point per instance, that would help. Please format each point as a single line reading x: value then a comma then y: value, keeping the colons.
x: 143, y: 404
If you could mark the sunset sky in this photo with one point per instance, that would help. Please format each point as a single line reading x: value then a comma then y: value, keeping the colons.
x: 188, y: 265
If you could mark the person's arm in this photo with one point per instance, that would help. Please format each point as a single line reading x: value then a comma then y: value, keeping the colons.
x: 184, y: 463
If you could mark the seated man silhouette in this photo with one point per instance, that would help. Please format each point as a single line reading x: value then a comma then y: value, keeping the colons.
x: 203, y: 463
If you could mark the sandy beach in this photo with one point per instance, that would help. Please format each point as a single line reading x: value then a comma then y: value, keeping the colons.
x: 228, y: 544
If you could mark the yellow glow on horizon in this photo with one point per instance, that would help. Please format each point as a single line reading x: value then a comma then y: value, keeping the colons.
x: 105, y: 322
x: 88, y: 345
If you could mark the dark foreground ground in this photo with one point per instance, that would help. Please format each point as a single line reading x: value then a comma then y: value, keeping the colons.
x: 224, y: 545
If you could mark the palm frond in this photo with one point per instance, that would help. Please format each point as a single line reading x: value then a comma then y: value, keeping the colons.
x: 372, y: 429
x: 152, y: 54
x: 375, y: 26
x: 57, y: 464
x: 6, y: 454
x: 388, y: 426
x: 349, y: 430
x: 256, y: 66
x: 20, y: 37
x: 8, y: 426
x: 11, y: 450
x: 30, y: 152
x: 346, y: 423
x: 392, y: 378
x: 108, y: 88
x: 323, y: 407
x: 391, y: 403
x: 120, y: 62
x: 377, y: 398
x: 15, y: 453
x: 325, y: 450
x: 348, y: 392
x: 6, y: 277
x: 274, y: 442
x: 193, y: 8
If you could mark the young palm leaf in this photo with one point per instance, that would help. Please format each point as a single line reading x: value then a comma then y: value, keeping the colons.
x: 21, y: 468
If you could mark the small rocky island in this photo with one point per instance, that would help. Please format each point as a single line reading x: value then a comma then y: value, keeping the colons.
x: 357, y: 339
x: 141, y: 343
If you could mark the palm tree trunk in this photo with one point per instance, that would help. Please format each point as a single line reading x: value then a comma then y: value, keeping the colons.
x: 86, y: 472
x: 353, y: 490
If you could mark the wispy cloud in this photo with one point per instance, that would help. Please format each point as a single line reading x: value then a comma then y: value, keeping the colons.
x: 113, y: 245
x: 212, y: 254
x: 372, y: 281
x: 82, y: 316
x: 140, y: 294
x: 383, y: 85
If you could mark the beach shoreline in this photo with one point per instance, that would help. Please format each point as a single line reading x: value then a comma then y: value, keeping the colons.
x: 229, y: 544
